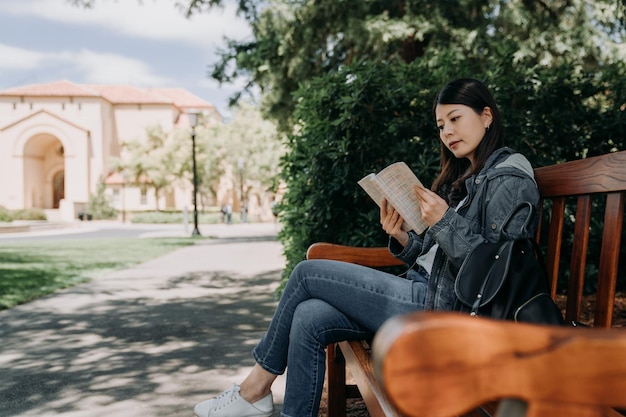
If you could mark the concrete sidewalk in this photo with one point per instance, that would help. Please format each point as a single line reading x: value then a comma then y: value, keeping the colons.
x: 147, y: 341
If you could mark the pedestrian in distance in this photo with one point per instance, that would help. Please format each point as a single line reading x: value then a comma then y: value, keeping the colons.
x: 229, y: 213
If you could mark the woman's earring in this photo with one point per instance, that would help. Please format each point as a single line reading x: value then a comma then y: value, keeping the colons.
x: 487, y: 128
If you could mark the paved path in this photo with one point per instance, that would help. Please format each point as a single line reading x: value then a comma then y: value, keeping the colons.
x: 149, y: 341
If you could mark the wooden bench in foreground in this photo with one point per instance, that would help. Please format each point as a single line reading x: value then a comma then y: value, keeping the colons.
x: 463, y: 362
x: 581, y: 180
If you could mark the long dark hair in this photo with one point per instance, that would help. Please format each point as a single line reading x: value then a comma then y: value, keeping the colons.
x: 450, y: 183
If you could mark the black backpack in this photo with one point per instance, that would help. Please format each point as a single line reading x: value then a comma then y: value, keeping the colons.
x: 507, y: 280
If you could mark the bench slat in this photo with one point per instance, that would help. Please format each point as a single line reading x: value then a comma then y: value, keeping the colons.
x: 358, y: 358
x: 607, y: 273
x: 598, y: 174
x: 553, y: 255
x: 336, y: 380
x: 578, y: 262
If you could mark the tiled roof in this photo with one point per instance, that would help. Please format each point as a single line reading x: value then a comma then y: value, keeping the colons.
x: 123, y: 94
x: 55, y: 89
x: 181, y: 97
x: 115, y: 94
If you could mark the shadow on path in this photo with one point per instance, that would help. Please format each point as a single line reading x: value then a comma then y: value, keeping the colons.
x: 134, y: 347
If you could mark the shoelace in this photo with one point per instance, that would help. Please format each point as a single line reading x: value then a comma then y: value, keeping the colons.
x: 226, y: 397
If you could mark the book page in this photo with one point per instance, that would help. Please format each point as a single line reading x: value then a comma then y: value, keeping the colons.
x: 372, y: 188
x: 397, y: 182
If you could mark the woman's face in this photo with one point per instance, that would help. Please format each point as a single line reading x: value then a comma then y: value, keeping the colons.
x: 461, y: 129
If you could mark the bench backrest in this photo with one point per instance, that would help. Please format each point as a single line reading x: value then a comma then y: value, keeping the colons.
x: 582, y: 180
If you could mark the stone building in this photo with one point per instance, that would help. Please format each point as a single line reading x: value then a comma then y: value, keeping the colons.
x: 58, y: 141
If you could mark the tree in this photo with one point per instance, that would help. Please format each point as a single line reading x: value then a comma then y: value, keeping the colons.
x: 150, y: 163
x: 295, y: 41
x: 249, y: 149
x: 164, y: 159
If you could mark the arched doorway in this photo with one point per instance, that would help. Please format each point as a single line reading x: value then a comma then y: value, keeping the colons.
x: 58, y: 188
x: 44, y: 172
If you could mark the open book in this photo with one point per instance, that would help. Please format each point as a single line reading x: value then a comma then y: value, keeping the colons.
x: 395, y: 183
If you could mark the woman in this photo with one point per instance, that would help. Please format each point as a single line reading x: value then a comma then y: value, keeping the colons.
x: 327, y: 301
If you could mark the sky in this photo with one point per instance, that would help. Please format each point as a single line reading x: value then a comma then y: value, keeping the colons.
x: 143, y: 43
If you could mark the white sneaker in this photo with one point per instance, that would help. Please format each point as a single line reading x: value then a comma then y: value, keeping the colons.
x: 231, y: 404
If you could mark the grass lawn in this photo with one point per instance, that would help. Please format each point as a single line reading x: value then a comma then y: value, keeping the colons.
x: 32, y: 269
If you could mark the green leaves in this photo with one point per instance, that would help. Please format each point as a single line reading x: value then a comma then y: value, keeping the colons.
x: 350, y: 123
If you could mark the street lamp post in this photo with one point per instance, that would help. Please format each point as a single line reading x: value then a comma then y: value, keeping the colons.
x: 123, y: 197
x: 193, y: 120
x: 240, y: 167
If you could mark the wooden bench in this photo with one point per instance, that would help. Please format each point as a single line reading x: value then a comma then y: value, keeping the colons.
x: 581, y: 180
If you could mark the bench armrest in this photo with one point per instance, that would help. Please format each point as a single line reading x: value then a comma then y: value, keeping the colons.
x: 425, y: 359
x: 372, y: 257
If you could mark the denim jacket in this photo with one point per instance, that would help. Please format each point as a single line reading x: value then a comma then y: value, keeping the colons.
x: 505, y: 181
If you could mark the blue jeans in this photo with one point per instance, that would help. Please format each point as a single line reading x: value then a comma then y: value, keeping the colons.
x: 326, y: 302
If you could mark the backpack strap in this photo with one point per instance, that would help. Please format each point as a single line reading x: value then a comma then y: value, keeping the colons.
x: 520, y: 206
x: 529, y: 218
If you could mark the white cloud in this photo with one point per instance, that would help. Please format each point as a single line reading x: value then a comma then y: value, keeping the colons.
x: 13, y: 58
x: 108, y: 68
x: 92, y: 67
x: 157, y: 19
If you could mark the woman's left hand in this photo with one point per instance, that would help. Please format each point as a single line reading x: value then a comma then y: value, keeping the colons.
x: 432, y: 206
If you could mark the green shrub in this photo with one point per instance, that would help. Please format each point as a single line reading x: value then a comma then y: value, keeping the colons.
x: 157, y: 217
x: 24, y: 214
x: 29, y: 215
x: 5, y: 215
x: 99, y: 206
x: 352, y: 123
x: 175, y: 217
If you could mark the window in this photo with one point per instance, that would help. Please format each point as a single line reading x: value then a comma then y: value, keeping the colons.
x: 144, y: 196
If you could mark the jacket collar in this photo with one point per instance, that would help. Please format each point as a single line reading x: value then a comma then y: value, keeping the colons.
x: 496, y: 157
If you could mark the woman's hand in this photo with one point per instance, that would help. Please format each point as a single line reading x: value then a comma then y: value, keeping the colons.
x: 391, y: 221
x: 432, y: 206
